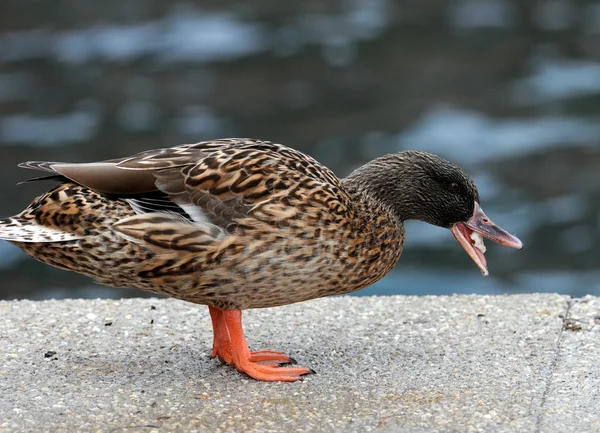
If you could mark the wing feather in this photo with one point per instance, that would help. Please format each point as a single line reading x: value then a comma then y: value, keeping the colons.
x: 226, y: 183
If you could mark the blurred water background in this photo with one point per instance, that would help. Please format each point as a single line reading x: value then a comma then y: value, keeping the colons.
x: 509, y: 89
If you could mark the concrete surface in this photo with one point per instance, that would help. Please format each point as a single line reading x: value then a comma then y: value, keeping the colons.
x: 406, y: 364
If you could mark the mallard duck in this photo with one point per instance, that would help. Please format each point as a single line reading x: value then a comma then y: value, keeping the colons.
x: 236, y: 224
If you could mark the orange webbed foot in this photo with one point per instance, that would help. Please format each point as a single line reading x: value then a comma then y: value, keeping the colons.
x: 270, y: 356
x: 270, y: 373
x: 230, y: 347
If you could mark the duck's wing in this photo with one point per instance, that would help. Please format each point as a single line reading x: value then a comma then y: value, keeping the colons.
x: 238, y: 184
x: 222, y: 184
x: 129, y: 175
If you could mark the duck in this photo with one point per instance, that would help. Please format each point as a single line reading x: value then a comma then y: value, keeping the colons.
x: 238, y: 224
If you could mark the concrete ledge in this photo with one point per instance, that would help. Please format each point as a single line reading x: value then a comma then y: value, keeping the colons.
x: 462, y: 363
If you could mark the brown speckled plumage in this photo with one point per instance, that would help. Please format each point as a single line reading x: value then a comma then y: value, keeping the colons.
x: 236, y: 224
x: 278, y: 228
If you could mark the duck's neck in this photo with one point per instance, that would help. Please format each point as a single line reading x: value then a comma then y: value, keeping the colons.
x: 390, y: 181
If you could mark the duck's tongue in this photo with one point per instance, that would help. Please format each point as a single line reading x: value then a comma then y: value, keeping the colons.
x: 480, y: 223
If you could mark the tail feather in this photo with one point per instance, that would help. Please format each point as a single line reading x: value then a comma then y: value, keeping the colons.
x: 56, y: 177
x: 46, y: 166
x: 18, y: 229
x: 39, y: 165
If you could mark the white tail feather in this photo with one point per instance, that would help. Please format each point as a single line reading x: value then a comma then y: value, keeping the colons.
x: 21, y: 230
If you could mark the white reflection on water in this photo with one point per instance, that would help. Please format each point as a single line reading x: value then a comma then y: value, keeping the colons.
x: 189, y: 35
x: 361, y: 20
x: 473, y: 137
x: 198, y: 121
x: 556, y: 80
x: 471, y: 14
x: 50, y: 130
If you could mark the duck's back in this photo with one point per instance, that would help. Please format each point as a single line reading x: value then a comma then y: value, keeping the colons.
x: 230, y: 223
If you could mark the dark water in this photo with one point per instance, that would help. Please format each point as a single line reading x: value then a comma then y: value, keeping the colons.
x: 510, y: 90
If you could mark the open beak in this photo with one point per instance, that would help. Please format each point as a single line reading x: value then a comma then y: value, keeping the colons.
x: 481, y: 224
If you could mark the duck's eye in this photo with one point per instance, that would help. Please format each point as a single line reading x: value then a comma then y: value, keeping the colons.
x: 454, y: 187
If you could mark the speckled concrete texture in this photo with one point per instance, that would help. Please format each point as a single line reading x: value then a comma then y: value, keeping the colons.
x: 573, y: 397
x: 405, y: 364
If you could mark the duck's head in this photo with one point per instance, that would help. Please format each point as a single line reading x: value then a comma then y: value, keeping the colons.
x: 422, y: 186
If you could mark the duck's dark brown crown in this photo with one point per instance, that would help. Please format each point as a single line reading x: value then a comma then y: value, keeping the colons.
x: 417, y: 186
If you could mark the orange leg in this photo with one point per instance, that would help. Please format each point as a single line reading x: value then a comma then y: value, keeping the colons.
x: 221, y: 340
x: 231, y: 347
